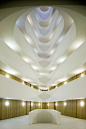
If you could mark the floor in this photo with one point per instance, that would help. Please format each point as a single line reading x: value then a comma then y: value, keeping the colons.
x: 22, y: 122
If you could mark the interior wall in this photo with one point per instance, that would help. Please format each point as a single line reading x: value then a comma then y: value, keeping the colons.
x: 72, y: 108
x: 28, y: 107
x: 81, y: 111
x: 14, y: 109
x: 69, y: 109
x: 36, y: 105
x: 50, y: 105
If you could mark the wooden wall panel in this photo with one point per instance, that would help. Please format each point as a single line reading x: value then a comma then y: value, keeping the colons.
x: 22, y: 108
x: 81, y: 110
x: 32, y: 106
x: 28, y: 108
x: 69, y: 109
x: 36, y: 106
x: 0, y: 108
x: 15, y: 109
x: 59, y: 106
x: 43, y: 105
x: 51, y: 105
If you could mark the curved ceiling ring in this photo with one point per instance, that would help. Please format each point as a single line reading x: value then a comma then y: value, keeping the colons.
x: 45, y: 79
x: 81, y: 59
x: 44, y: 16
x: 41, y: 23
x: 51, y: 36
x: 53, y: 23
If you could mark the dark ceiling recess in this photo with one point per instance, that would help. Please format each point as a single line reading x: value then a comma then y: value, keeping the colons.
x: 20, y: 3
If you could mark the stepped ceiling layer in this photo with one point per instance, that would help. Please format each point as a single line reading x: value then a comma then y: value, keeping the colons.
x: 43, y: 45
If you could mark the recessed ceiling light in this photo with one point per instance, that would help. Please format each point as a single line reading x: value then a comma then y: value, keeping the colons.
x: 61, y: 59
x: 26, y: 60
x: 35, y: 67
x: 53, y: 68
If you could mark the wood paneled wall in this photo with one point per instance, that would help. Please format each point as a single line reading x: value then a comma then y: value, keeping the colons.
x: 50, y: 105
x: 36, y: 105
x: 69, y: 109
x: 15, y: 108
x: 81, y: 110
x: 28, y: 107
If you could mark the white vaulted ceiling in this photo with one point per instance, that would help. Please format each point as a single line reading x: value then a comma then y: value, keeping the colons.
x: 43, y: 45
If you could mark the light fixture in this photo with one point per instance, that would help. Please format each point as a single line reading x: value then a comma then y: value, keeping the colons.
x: 39, y: 104
x: 53, y: 68
x: 65, y: 103
x: 23, y: 83
x: 62, y: 79
x: 35, y: 67
x: 82, y: 103
x: 7, y: 103
x: 23, y: 103
x: 7, y: 75
x: 56, y: 104
x: 47, y: 104
x: 31, y: 103
x: 82, y: 75
x: 65, y: 82
x: 26, y: 60
x: 61, y: 59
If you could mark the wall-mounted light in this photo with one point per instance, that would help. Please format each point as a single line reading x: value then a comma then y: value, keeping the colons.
x: 65, y: 103
x: 39, y: 104
x: 47, y: 104
x: 56, y: 104
x: 82, y: 103
x: 7, y: 103
x: 31, y: 103
x: 23, y: 103
x: 7, y: 75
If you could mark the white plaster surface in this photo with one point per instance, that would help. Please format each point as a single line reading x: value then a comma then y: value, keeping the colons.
x: 44, y: 116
